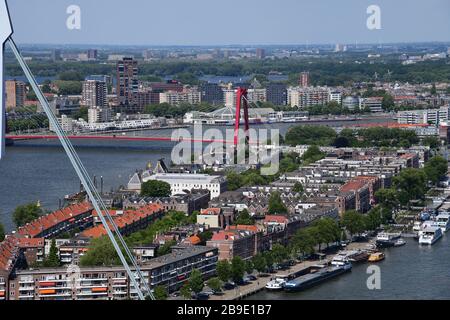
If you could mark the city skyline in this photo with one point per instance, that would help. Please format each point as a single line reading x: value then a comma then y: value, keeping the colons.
x: 286, y: 23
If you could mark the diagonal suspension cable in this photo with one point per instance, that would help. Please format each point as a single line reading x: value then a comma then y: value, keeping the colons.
x: 86, y: 181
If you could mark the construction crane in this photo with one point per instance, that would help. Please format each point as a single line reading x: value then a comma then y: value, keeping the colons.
x: 124, y: 253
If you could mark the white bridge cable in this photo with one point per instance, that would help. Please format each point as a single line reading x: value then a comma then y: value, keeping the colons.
x: 85, y: 179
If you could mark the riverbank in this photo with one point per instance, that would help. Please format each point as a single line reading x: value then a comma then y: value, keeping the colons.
x: 258, y: 286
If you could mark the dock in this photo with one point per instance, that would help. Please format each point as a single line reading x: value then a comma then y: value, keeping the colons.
x: 301, y: 268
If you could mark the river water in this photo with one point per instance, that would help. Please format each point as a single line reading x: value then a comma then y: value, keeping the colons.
x: 408, y: 272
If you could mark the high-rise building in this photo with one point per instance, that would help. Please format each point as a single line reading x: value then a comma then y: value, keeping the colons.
x: 277, y: 94
x: 56, y: 55
x: 94, y: 93
x: 126, y: 81
x: 92, y: 54
x: 15, y: 94
x: 260, y: 53
x: 211, y: 93
x: 336, y: 96
x: 306, y: 97
x: 304, y: 79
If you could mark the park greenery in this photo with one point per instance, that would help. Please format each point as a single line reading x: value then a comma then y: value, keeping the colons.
x: 102, y: 253
x: 329, y: 70
x: 356, y: 138
x: 155, y: 188
x: 27, y: 213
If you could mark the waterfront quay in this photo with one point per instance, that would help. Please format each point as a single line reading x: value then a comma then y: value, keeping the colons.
x: 299, y: 269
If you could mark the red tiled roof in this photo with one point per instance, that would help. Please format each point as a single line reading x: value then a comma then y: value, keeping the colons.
x: 210, y: 211
x: 34, y: 228
x: 243, y: 227
x: 31, y: 243
x: 274, y: 218
x: 353, y: 185
x: 9, y: 251
x: 128, y: 217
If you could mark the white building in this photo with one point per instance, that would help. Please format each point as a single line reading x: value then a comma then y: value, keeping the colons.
x: 182, y: 182
x: 98, y: 114
x: 429, y: 116
x: 306, y: 97
x: 65, y: 122
x: 175, y: 98
x: 229, y: 96
x: 335, y: 96
x: 373, y: 103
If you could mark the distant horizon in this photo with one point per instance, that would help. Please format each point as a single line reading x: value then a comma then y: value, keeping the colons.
x: 437, y: 42
x: 236, y: 22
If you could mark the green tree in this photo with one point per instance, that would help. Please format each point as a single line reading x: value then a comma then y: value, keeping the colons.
x: 313, y: 154
x: 280, y: 253
x: 155, y: 188
x: 160, y: 293
x: 215, y: 284
x: 223, y: 270
x: 100, y: 253
x: 298, y: 187
x: 410, y: 184
x: 353, y: 222
x: 303, y: 241
x: 2, y: 232
x: 196, y: 282
x: 276, y: 205
x: 259, y: 263
x: 328, y: 230
x: 432, y: 142
x: 52, y: 260
x: 249, y: 267
x: 387, y: 198
x: 310, y: 135
x: 237, y: 268
x: 435, y: 169
x: 26, y: 213
x: 244, y: 218
x: 186, y: 292
x: 433, y: 90
x: 234, y: 181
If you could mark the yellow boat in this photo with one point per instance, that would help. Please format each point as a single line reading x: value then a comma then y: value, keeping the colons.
x: 375, y: 257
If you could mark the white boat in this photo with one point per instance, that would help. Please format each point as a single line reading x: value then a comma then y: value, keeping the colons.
x: 385, y: 236
x: 443, y: 221
x: 417, y: 226
x: 400, y: 242
x: 430, y: 235
x: 276, y: 284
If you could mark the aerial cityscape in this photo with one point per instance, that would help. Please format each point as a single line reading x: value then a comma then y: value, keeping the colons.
x: 236, y: 171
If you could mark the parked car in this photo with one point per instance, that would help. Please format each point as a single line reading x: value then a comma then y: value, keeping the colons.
x: 202, y: 296
x: 250, y: 277
x: 229, y: 286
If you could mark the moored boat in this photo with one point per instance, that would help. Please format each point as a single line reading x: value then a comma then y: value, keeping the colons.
x: 314, y: 278
x: 376, y: 257
x: 430, y: 235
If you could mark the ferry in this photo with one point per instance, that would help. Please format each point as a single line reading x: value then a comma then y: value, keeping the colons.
x: 443, y: 221
x: 316, y: 277
x: 376, y: 257
x: 276, y: 284
x: 430, y: 235
x: 385, y: 240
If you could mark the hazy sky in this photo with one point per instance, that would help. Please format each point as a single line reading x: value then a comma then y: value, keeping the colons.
x: 214, y: 22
